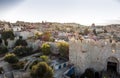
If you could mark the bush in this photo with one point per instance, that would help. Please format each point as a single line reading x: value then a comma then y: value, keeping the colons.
x: 22, y: 50
x: 46, y: 36
x: 63, y: 49
x: 3, y: 50
x: 44, y: 58
x: 7, y: 35
x: 21, y: 42
x: 38, y: 35
x: 11, y: 58
x: 41, y: 70
x: 46, y: 49
x: 89, y: 73
x: 34, y: 63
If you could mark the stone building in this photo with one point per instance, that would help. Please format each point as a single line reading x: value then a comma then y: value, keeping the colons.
x: 24, y: 34
x: 101, y: 55
x: 7, y: 27
x: 17, y: 28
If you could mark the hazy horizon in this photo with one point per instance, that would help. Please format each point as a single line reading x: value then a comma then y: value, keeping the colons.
x: 83, y: 12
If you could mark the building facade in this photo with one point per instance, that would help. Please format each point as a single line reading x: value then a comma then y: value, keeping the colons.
x: 101, y: 55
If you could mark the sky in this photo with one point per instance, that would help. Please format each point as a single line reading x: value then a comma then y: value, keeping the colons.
x: 83, y: 12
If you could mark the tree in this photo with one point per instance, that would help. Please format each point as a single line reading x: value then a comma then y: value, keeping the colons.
x: 21, y: 42
x: 86, y: 31
x: 41, y: 70
x: 3, y: 50
x: 7, y: 34
x: 89, y: 73
x: 34, y: 63
x: 22, y: 50
x: 44, y: 58
x: 38, y: 35
x: 46, y: 36
x: 46, y: 49
x: 63, y: 49
x: 11, y: 58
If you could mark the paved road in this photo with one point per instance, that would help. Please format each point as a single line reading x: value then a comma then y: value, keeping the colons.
x: 7, y: 70
x: 59, y: 73
x: 1, y: 76
x: 5, y: 66
x: 1, y: 59
x: 8, y: 75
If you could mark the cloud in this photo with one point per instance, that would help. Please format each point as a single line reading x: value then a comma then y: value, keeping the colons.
x: 7, y: 4
x: 117, y: 21
x: 117, y: 0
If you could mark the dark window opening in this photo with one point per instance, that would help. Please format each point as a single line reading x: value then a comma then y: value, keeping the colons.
x: 112, y: 67
x: 97, y: 75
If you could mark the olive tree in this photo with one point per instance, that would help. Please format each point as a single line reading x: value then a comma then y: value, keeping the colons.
x: 44, y: 58
x: 11, y: 58
x: 41, y: 70
x: 63, y: 49
x: 46, y: 49
x: 22, y: 50
x: 7, y: 35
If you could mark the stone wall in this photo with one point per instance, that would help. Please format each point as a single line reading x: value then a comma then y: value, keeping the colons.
x: 93, y: 54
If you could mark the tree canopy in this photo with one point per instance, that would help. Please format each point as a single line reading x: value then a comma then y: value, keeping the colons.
x: 46, y: 49
x: 89, y: 73
x: 63, y: 49
x: 3, y: 50
x: 7, y: 35
x: 22, y: 50
x: 21, y: 42
x: 46, y: 36
x: 41, y: 70
x: 86, y: 31
x: 44, y: 58
x: 11, y: 58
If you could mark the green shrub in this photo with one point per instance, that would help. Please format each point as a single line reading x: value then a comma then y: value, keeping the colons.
x: 34, y: 63
x: 22, y: 50
x: 63, y: 49
x: 21, y: 42
x: 46, y: 49
x: 41, y: 70
x: 89, y: 73
x: 44, y: 58
x: 3, y: 50
x: 7, y: 35
x: 11, y: 58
